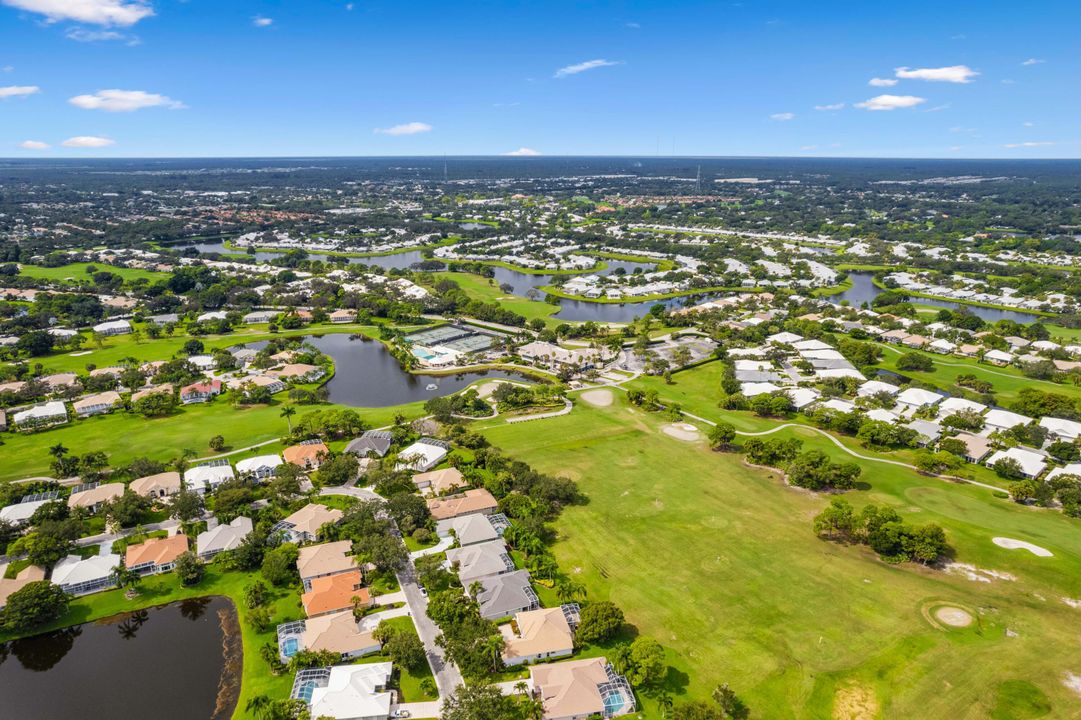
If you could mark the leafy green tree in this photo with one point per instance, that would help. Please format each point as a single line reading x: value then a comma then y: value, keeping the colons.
x: 648, y: 663
x: 34, y: 604
x: 186, y: 505
x: 721, y: 436
x: 600, y: 621
x: 279, y: 565
x: 481, y: 702
x: 189, y: 568
x: 837, y: 520
x: 406, y: 650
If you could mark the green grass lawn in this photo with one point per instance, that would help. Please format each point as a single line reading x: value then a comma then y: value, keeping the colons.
x: 718, y: 562
x: 115, y: 349
x: 76, y: 273
x: 478, y: 287
x: 125, y: 436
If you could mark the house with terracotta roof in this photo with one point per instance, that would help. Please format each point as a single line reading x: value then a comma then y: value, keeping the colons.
x: 303, y: 526
x: 92, y: 496
x: 537, y: 635
x: 343, y: 316
x: 337, y: 632
x: 439, y: 482
x: 315, y: 561
x: 96, y: 404
x: 164, y: 388
x: 199, y: 392
x: 308, y: 455
x: 334, y: 593
x: 8, y: 586
x: 156, y: 555
x: 157, y: 486
x: 467, y: 503
x: 577, y: 689
x: 298, y: 372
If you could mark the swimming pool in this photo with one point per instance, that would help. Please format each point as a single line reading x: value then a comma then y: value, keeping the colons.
x: 613, y: 703
x: 290, y: 646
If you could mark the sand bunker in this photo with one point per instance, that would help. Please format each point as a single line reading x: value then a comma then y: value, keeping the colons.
x: 1011, y: 544
x: 953, y: 616
x: 1072, y: 681
x: 597, y: 398
x: 488, y: 388
x: 682, y: 431
x: 855, y: 702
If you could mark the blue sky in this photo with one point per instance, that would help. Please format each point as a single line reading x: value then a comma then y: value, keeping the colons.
x: 125, y: 78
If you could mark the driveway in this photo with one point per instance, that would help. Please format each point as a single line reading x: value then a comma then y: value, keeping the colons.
x: 447, y: 675
x: 443, y: 544
x: 363, y: 493
x: 421, y: 709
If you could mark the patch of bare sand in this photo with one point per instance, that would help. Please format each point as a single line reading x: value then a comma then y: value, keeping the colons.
x: 598, y: 398
x: 855, y: 702
x: 682, y: 431
x: 1073, y: 682
x: 1011, y: 544
x: 953, y: 616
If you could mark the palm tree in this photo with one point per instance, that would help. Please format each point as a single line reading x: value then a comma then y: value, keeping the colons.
x: 58, y: 451
x: 126, y: 577
x: 666, y: 703
x: 521, y: 687
x: 288, y: 412
x: 568, y: 589
x: 493, y: 648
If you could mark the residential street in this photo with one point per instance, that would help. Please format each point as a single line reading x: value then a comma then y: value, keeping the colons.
x: 447, y: 675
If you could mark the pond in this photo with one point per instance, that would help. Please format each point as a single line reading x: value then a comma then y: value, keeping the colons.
x: 367, y: 375
x: 864, y: 290
x: 168, y: 662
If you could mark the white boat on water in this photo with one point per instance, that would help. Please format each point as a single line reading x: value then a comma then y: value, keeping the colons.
x: 431, y: 386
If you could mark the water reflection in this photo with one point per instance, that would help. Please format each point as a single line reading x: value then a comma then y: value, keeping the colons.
x: 43, y: 652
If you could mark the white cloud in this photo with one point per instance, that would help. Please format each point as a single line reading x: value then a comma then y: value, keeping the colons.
x: 782, y: 117
x: 124, y: 101
x: 833, y: 106
x: 938, y: 108
x: 33, y: 145
x: 79, y: 34
x: 8, y: 68
x: 1028, y: 123
x: 87, y: 141
x: 1028, y: 144
x: 523, y: 152
x: 411, y: 128
x: 1033, y: 61
x: 583, y: 66
x: 891, y: 102
x: 807, y: 148
x: 634, y: 26
x: 881, y: 82
x: 260, y: 21
x: 18, y: 91
x: 349, y: 6
x: 951, y: 74
x: 95, y: 12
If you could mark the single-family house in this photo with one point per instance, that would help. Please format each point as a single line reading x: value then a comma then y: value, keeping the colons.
x: 20, y: 513
x: 873, y: 387
x: 8, y: 586
x: 1071, y: 469
x: 881, y: 415
x: 259, y: 467
x: 440, y: 482
x: 468, y: 529
x: 199, y: 392
x: 207, y: 476
x: 315, y: 561
x: 308, y: 454
x: 53, y: 412
x: 915, y: 341
x: 423, y: 455
x: 226, y: 536
x: 1032, y: 463
x: 334, y: 593
x: 1016, y: 343
x: 91, y: 496
x: 1062, y: 429
x: 59, y: 381
x: 942, y: 347
x: 163, y: 389
x: 256, y: 317
x: 298, y: 372
x: 156, y: 555
x: 801, y: 397
x: 372, y: 442
x: 918, y: 397
x: 954, y: 405
x: 894, y: 336
x: 752, y: 389
x: 998, y: 357
x: 353, y: 692
x: 537, y: 635
x: 474, y: 562
x: 579, y: 689
x: 976, y: 446
x: 471, y: 501
x: 967, y: 350
x: 113, y: 327
x: 1001, y: 420
x: 342, y: 316
x: 338, y: 632
x: 500, y: 596
x: 927, y: 433
x: 161, y: 485
x: 78, y: 576
x: 303, y: 526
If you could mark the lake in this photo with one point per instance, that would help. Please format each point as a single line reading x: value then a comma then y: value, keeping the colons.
x: 864, y: 290
x: 167, y: 662
x: 520, y: 283
x: 367, y: 375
